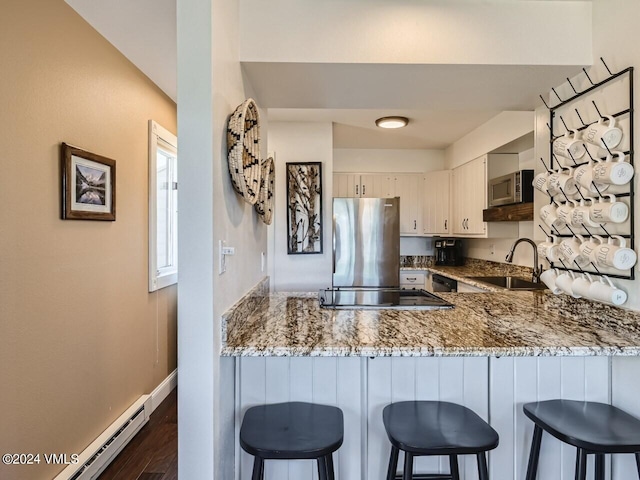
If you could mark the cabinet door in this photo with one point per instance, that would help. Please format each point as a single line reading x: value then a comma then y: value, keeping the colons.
x: 476, y: 188
x: 469, y: 197
x: 376, y: 185
x: 458, y: 200
x: 346, y: 185
x: 408, y: 188
x: 436, y: 202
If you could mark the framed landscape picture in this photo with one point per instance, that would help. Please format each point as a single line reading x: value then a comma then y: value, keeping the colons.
x: 304, y: 207
x: 88, y: 185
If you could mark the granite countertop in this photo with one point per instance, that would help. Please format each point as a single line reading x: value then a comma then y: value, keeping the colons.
x: 474, y: 268
x: 503, y: 323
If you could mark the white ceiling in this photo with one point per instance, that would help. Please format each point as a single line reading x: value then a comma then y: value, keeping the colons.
x: 355, y: 128
x: 444, y: 102
x: 143, y: 30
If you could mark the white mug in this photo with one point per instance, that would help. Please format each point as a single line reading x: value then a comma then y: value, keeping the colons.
x: 617, y: 256
x: 570, y: 251
x: 564, y: 282
x: 580, y: 286
x: 569, y: 145
x: 540, y: 182
x: 606, y: 291
x: 583, y: 176
x: 610, y: 210
x: 580, y: 215
x: 549, y: 215
x: 550, y: 249
x: 588, y: 248
x: 603, y: 134
x: 549, y: 277
x: 612, y: 172
x: 565, y: 211
x: 561, y: 181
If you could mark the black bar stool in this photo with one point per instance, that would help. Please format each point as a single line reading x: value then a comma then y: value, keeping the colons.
x: 436, y: 428
x: 292, y: 431
x: 591, y: 427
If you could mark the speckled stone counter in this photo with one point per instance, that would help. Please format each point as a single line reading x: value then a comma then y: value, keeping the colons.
x: 473, y: 268
x: 482, y: 324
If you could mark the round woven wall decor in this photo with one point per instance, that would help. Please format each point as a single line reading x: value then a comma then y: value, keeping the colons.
x: 264, y: 205
x: 243, y: 148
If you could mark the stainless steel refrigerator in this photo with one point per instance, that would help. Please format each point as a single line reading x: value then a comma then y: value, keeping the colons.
x: 366, y: 242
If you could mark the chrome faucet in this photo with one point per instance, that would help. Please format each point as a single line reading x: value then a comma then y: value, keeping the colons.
x: 537, y: 269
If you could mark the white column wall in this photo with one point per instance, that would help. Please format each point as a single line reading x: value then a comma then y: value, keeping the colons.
x: 615, y: 34
x: 210, y: 87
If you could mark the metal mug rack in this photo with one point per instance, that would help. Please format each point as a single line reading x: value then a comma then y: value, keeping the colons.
x: 628, y: 154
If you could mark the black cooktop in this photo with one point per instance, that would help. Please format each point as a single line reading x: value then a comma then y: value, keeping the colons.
x: 379, y: 298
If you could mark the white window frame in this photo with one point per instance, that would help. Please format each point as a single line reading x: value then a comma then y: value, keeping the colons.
x: 159, y: 278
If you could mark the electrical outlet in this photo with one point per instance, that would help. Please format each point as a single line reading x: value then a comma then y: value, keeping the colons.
x: 224, y: 251
x: 222, y: 265
x: 492, y: 249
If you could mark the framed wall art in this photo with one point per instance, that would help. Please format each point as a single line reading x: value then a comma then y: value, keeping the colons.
x: 88, y: 185
x: 304, y: 208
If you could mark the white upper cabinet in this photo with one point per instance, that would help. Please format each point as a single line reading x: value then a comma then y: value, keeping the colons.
x: 344, y: 185
x: 469, y: 198
x: 409, y: 188
x: 356, y: 185
x: 376, y: 185
x: 436, y: 202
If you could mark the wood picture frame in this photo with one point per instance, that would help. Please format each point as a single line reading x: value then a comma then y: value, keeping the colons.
x: 88, y: 185
x: 304, y: 208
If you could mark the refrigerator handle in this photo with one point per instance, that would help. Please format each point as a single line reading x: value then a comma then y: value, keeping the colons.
x: 334, y: 244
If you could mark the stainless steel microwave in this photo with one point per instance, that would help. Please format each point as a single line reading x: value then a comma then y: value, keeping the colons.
x: 515, y: 187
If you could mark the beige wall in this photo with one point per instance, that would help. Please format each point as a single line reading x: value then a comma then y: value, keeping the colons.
x: 81, y: 338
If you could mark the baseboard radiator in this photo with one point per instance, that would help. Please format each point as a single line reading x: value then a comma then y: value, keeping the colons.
x: 97, y: 456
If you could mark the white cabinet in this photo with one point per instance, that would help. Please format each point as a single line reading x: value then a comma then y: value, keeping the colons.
x: 408, y: 188
x: 344, y: 185
x: 376, y: 185
x: 469, y: 183
x: 412, y: 280
x: 469, y: 198
x: 436, y: 201
x: 356, y: 185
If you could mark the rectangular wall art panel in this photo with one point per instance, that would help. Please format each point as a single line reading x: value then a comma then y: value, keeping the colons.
x: 304, y: 207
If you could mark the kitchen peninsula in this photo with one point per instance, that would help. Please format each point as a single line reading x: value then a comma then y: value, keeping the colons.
x: 492, y: 352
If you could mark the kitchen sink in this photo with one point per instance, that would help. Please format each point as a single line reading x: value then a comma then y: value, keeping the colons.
x: 510, y: 283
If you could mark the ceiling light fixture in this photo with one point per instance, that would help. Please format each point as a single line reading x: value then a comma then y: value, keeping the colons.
x: 392, y: 122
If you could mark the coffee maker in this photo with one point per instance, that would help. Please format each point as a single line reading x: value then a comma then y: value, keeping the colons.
x: 449, y: 251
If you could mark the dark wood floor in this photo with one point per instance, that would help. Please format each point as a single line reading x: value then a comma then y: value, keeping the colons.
x: 153, y: 452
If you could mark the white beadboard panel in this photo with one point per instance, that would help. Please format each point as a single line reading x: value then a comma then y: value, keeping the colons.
x: 350, y: 393
x: 516, y: 381
x: 428, y: 388
x: 502, y: 417
x: 459, y: 380
x: 252, y: 391
x: 301, y: 390
x: 379, y: 395
x: 625, y: 394
x: 326, y: 380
